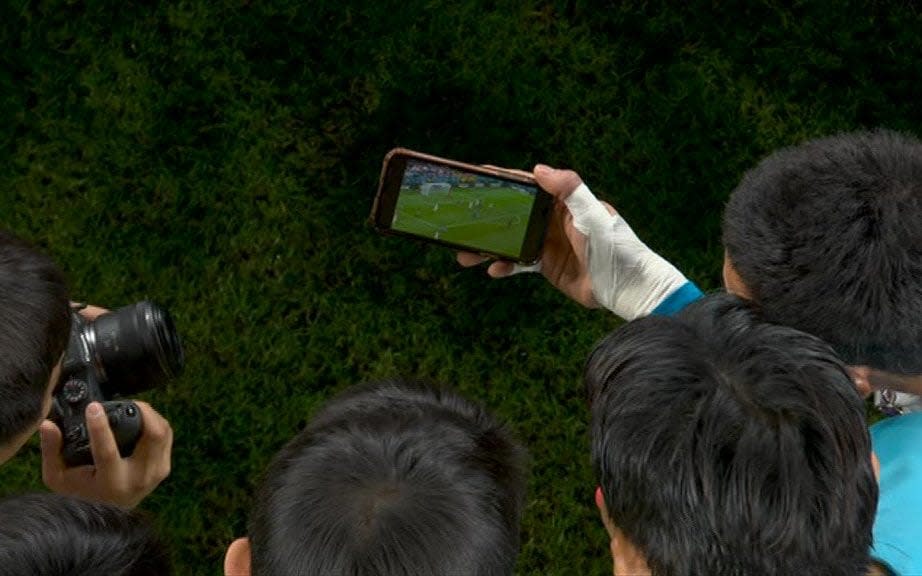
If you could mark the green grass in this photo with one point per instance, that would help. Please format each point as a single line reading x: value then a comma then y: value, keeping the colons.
x: 221, y: 158
x: 497, y: 224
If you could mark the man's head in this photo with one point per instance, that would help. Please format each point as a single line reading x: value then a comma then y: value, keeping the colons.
x: 827, y: 237
x: 33, y: 336
x: 391, y: 478
x: 727, y: 445
x: 56, y: 535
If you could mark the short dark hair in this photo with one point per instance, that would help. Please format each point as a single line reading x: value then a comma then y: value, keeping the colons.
x: 56, y: 535
x: 827, y: 236
x: 33, y: 333
x: 392, y: 478
x: 725, y: 445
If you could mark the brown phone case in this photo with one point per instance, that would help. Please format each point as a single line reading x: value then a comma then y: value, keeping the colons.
x: 392, y: 172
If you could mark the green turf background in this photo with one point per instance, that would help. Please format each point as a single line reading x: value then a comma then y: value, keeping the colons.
x: 221, y: 157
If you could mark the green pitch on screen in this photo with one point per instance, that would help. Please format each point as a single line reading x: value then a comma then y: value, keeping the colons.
x: 486, y: 214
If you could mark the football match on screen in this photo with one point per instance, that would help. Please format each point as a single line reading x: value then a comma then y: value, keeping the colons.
x: 463, y: 208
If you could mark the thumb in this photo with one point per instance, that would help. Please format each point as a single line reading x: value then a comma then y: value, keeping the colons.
x: 52, y: 461
x: 558, y: 183
x: 589, y: 213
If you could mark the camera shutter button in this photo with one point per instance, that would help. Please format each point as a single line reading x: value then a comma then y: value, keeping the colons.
x: 74, y: 391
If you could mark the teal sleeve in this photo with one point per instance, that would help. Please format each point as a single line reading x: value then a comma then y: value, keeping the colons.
x: 897, y: 441
x: 682, y: 297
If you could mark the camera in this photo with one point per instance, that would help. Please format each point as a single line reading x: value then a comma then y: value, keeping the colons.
x: 120, y: 353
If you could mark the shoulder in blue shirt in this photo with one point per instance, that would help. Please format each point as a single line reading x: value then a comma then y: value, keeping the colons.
x: 898, y: 527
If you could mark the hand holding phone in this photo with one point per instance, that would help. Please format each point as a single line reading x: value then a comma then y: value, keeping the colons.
x: 592, y: 255
x: 564, y: 262
x: 479, y: 209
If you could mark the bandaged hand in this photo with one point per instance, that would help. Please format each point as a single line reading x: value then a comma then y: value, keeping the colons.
x: 592, y: 255
x: 627, y: 277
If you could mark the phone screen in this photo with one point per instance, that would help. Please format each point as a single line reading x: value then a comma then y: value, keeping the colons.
x: 464, y: 208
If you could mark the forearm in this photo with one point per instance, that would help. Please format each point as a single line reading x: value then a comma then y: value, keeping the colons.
x: 908, y: 383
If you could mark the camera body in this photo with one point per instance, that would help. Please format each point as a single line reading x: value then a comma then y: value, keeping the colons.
x: 130, y: 350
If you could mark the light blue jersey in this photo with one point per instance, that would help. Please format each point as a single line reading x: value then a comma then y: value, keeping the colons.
x: 898, y: 526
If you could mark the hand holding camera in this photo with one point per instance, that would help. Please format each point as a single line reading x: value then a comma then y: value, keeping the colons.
x: 127, y: 443
x: 121, y: 481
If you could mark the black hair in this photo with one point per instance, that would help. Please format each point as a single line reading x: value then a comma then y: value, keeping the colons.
x: 725, y: 445
x: 392, y: 478
x: 56, y: 535
x: 33, y: 334
x: 827, y: 236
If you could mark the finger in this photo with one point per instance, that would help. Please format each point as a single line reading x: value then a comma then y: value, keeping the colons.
x: 102, y: 440
x: 609, y: 207
x: 156, y: 444
x: 92, y: 312
x: 501, y: 269
x: 52, y: 460
x: 576, y: 239
x: 498, y: 269
x: 565, y: 242
x: 558, y: 183
x: 468, y: 259
x: 580, y: 245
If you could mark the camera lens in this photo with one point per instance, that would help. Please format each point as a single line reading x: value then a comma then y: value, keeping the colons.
x: 136, y: 348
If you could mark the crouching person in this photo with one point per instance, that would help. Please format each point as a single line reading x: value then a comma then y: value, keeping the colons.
x: 56, y: 535
x: 391, y: 478
x: 724, y: 445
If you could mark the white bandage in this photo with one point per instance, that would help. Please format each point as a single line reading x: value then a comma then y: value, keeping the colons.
x: 523, y: 268
x: 627, y: 277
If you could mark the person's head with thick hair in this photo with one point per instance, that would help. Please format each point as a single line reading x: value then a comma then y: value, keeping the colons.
x: 726, y: 445
x: 33, y: 335
x: 56, y: 535
x: 827, y: 237
x: 389, y: 478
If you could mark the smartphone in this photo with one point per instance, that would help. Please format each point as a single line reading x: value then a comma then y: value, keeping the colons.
x: 462, y: 206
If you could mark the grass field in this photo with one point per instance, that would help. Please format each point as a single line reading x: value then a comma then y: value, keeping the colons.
x: 489, y: 219
x: 221, y: 158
